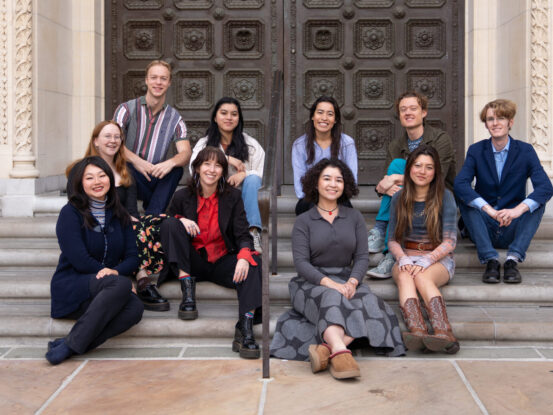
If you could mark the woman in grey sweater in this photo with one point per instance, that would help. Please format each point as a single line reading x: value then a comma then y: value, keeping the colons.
x: 331, y: 308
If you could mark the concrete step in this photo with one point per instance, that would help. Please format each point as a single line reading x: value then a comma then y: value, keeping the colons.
x: 31, y: 324
x: 30, y: 286
x: 44, y: 252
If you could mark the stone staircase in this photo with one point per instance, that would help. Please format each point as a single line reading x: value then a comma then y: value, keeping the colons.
x: 481, y: 314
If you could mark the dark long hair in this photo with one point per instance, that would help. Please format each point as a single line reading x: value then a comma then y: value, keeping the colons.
x: 310, y: 180
x: 238, y: 147
x: 433, y: 202
x: 336, y: 131
x: 206, y: 154
x: 79, y: 199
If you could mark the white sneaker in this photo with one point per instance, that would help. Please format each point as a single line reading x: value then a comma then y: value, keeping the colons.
x: 376, y: 241
x: 256, y: 240
x: 384, y: 269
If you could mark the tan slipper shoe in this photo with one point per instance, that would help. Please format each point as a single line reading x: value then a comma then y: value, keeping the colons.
x: 343, y: 365
x: 318, y: 356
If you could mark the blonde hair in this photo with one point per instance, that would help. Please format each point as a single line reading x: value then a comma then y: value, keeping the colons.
x: 160, y: 63
x: 502, y: 108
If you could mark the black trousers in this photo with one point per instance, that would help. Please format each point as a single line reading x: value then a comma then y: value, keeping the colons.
x: 181, y: 255
x: 111, y: 310
x: 304, y: 205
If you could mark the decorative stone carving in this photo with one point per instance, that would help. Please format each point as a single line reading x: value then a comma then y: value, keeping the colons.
x: 23, y: 156
x: 143, y: 40
x: 219, y: 63
x: 243, y: 39
x: 193, y: 4
x: 3, y: 73
x: 323, y: 39
x: 323, y: 4
x: 373, y: 38
x: 244, y: 4
x: 245, y: 86
x: 540, y: 18
x: 194, y: 90
x: 425, y: 39
x: 143, y: 4
x: 133, y: 85
x: 430, y: 83
x: 193, y: 39
x: 319, y: 83
x: 374, y: 89
x: 372, y: 138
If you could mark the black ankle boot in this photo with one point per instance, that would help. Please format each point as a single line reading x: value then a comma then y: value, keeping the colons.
x: 150, y: 296
x: 187, y: 308
x: 244, y: 342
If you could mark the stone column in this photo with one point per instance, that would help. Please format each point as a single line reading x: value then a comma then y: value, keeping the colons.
x: 540, y: 83
x: 23, y: 155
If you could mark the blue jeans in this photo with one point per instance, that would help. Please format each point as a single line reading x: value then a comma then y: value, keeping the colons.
x: 487, y: 235
x: 156, y: 193
x: 397, y: 166
x: 250, y: 187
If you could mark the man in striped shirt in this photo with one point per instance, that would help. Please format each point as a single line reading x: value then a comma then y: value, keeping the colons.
x: 150, y: 126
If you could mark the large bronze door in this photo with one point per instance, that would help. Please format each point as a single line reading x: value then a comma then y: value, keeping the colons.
x: 362, y: 52
x: 216, y: 49
x: 365, y: 53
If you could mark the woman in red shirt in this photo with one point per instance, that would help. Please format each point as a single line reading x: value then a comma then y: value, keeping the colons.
x: 207, y: 239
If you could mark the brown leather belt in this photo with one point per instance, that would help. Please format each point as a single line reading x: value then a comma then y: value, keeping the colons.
x: 419, y: 246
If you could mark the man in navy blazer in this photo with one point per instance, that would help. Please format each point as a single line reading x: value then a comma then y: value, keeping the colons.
x: 497, y: 212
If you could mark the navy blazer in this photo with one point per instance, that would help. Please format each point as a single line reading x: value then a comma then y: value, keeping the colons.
x: 82, y: 255
x: 509, y: 190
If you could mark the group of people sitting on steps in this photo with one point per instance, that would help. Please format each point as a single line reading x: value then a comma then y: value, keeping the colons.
x: 210, y: 229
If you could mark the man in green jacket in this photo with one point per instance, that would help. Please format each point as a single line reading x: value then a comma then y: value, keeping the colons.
x: 411, y: 108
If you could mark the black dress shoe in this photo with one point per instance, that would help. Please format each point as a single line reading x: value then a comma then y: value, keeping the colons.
x: 152, y: 299
x: 491, y: 275
x: 511, y: 275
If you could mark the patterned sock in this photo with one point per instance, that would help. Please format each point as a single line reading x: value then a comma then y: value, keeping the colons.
x: 380, y: 226
x: 182, y: 277
x: 249, y: 314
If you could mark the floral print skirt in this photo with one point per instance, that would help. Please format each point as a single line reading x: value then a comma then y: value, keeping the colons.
x: 148, y: 242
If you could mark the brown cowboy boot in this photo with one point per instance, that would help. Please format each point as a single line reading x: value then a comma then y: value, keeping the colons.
x: 443, y: 339
x: 414, y: 321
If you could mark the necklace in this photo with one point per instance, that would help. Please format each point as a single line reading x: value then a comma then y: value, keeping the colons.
x: 329, y: 211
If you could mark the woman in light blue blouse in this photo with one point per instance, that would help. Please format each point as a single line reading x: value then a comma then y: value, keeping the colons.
x: 323, y: 139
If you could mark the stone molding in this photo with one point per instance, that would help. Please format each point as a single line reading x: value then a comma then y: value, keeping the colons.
x: 540, y: 115
x: 4, y: 72
x: 23, y: 156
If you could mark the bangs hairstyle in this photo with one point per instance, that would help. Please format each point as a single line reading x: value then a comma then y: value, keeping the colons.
x: 79, y: 199
x: 421, y: 99
x: 502, y: 108
x: 237, y: 147
x: 206, y: 154
x: 336, y: 132
x: 310, y: 180
x: 119, y: 158
x: 433, y: 201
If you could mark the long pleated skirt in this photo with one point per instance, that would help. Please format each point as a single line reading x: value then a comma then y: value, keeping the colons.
x: 364, y: 317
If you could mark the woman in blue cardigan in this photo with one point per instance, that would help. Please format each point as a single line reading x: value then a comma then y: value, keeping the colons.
x: 98, y: 249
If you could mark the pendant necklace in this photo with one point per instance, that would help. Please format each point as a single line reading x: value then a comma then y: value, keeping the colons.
x: 329, y: 211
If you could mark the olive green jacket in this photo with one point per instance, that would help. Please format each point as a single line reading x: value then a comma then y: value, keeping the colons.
x: 434, y: 137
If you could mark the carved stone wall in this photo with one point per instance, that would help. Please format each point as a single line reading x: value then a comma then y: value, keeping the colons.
x: 4, y: 73
x: 540, y: 73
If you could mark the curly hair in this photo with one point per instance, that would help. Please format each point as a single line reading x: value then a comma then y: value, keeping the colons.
x: 310, y: 180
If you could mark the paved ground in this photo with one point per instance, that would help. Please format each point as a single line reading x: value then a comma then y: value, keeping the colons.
x: 181, y: 379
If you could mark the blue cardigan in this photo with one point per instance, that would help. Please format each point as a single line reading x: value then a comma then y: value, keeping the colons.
x: 522, y: 163
x: 82, y: 251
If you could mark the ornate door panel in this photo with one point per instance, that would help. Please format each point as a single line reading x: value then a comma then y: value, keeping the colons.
x: 365, y: 53
x: 216, y: 48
